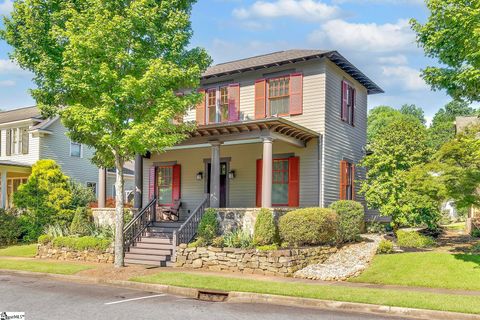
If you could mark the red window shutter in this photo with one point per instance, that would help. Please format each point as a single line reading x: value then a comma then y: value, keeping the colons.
x: 294, y: 182
x: 152, y: 182
x: 353, y: 182
x: 260, y: 98
x: 354, y: 102
x: 201, y: 109
x: 176, y: 182
x: 343, y: 179
x: 259, y: 183
x: 296, y: 94
x: 234, y: 102
x: 343, y: 111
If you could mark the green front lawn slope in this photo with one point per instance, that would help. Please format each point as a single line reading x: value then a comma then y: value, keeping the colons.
x: 410, y: 299
x: 42, y: 266
x: 26, y: 250
x: 425, y: 269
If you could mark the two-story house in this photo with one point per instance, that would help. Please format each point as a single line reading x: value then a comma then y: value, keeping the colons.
x: 26, y: 137
x: 285, y: 129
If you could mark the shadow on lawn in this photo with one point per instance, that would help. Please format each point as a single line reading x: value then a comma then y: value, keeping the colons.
x: 469, y: 257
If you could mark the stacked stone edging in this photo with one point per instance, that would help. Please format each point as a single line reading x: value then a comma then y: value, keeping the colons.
x: 277, y: 262
x: 48, y: 251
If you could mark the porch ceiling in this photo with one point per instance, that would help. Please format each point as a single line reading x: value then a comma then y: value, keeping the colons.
x: 276, y: 128
x: 13, y: 166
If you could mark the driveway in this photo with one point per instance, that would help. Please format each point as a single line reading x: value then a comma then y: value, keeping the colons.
x: 49, y: 299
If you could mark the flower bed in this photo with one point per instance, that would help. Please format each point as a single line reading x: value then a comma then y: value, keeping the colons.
x: 88, y: 249
x: 276, y: 262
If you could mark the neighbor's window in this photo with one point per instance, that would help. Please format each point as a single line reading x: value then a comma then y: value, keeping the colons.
x: 212, y: 106
x: 165, y: 185
x: 75, y: 149
x: 224, y: 104
x: 93, y: 187
x: 279, y: 96
x: 280, y: 182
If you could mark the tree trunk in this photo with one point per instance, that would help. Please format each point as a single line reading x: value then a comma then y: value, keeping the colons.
x: 119, y: 212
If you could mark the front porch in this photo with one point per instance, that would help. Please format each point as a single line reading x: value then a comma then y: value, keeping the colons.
x: 261, y: 163
x: 12, y: 175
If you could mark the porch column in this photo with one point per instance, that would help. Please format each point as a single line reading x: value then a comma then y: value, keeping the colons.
x: 102, y: 187
x: 137, y: 200
x: 267, y: 173
x: 4, y: 189
x: 215, y: 175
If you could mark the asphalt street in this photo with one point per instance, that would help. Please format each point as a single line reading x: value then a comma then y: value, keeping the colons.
x: 47, y: 299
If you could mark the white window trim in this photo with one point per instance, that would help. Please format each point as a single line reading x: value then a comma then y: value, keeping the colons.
x: 81, y: 149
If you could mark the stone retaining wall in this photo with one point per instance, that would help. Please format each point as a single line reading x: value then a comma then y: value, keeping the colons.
x: 105, y: 217
x: 277, y: 262
x: 47, y: 251
x: 231, y: 219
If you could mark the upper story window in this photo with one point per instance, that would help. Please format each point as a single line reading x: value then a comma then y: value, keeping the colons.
x: 75, y: 149
x: 17, y: 141
x: 347, y: 113
x: 219, y: 104
x: 279, y: 96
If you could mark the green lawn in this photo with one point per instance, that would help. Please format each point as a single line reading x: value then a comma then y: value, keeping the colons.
x: 42, y: 266
x: 422, y: 300
x: 459, y: 226
x: 25, y: 250
x: 425, y: 269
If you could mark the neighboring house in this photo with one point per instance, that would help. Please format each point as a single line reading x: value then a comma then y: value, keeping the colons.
x: 285, y: 129
x: 26, y: 137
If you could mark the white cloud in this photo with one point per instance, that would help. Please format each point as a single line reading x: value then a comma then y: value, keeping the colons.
x: 309, y: 10
x: 368, y: 37
x: 406, y: 77
x: 398, y: 59
x: 11, y: 68
x: 6, y: 7
x: 397, y: 2
x: 7, y: 83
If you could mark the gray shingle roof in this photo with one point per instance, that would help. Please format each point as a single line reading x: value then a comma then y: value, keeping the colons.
x: 286, y: 57
x: 20, y: 114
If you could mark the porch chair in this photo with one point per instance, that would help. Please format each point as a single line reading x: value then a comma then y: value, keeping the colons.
x: 171, y: 213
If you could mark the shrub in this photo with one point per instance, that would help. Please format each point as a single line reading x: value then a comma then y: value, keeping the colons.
x: 309, y: 226
x: 10, y: 230
x: 351, y: 215
x: 82, y: 243
x: 238, y: 239
x: 81, y: 195
x: 218, y: 242
x: 200, y: 242
x: 44, y: 239
x: 476, y: 233
x: 413, y: 239
x: 270, y: 247
x: 82, y: 222
x: 475, y: 248
x: 208, y: 227
x: 56, y: 230
x: 385, y: 247
x: 375, y: 227
x: 265, y: 231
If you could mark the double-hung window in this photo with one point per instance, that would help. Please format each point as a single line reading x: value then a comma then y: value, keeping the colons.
x: 223, y: 104
x: 212, y: 105
x: 279, y: 96
x: 75, y: 149
x: 165, y: 185
x: 348, y: 103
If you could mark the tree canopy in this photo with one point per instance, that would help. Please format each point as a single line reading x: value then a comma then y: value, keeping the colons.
x: 451, y: 35
x: 116, y: 71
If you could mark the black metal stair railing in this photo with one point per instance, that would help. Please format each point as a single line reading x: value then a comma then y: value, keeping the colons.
x: 188, y: 229
x: 136, y: 228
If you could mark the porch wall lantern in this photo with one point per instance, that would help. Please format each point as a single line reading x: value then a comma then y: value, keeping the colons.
x: 231, y: 174
x: 199, y: 176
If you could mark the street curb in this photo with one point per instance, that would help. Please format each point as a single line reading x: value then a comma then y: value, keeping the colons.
x: 247, y: 297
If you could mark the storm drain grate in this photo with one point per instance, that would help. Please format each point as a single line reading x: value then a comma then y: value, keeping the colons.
x: 212, y: 296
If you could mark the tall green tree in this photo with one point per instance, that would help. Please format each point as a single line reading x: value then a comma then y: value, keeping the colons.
x: 378, y: 118
x: 451, y: 36
x: 113, y: 70
x: 397, y: 147
x: 442, y: 128
x: 414, y: 111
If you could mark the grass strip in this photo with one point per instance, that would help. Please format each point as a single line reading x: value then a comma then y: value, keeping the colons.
x: 409, y: 299
x: 25, y: 250
x: 425, y: 269
x: 42, y: 266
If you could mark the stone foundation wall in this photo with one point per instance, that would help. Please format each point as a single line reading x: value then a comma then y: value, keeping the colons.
x: 277, y: 262
x: 231, y: 219
x: 49, y: 252
x: 105, y: 217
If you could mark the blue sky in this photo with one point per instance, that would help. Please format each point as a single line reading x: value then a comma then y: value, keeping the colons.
x: 373, y: 34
